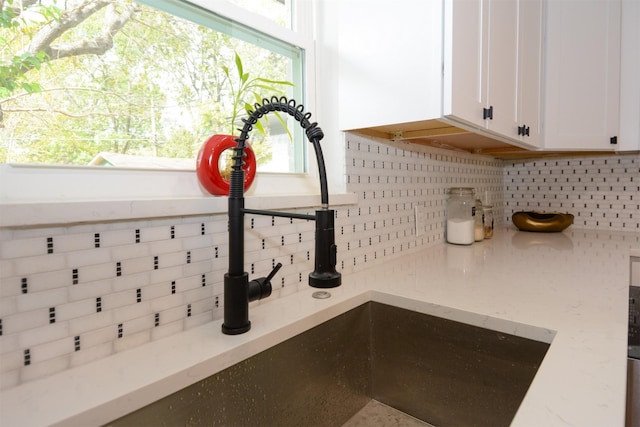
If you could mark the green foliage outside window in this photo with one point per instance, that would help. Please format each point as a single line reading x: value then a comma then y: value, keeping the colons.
x: 79, y: 78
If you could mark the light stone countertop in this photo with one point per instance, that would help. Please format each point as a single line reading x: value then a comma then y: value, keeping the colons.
x: 570, y: 289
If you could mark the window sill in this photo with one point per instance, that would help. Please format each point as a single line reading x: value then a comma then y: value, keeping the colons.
x: 32, y: 214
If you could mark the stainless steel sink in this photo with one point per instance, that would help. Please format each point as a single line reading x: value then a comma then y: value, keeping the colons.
x: 437, y: 370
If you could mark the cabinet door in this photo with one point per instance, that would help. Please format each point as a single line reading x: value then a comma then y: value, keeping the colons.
x: 582, y: 74
x: 496, y: 66
x: 465, y: 75
x: 502, y: 78
x: 530, y: 19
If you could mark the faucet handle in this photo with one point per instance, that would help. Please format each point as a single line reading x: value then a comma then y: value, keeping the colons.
x: 273, y: 272
x: 261, y: 287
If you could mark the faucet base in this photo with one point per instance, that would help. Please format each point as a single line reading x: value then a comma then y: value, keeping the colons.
x: 325, y: 280
x: 236, y: 331
x: 236, y: 304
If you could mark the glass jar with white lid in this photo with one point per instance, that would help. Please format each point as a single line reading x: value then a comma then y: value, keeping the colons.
x: 461, y: 207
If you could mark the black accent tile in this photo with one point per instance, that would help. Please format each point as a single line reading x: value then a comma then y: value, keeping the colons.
x: 76, y: 343
x: 157, y: 320
x: 74, y: 276
x: 27, y: 357
x: 23, y: 285
x: 139, y: 295
x: 52, y: 315
x: 49, y: 245
x: 120, y: 330
x: 96, y: 240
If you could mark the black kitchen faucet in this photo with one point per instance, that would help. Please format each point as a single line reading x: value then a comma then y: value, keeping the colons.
x: 238, y: 290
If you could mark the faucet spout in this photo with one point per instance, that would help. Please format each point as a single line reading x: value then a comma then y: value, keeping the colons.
x: 238, y: 290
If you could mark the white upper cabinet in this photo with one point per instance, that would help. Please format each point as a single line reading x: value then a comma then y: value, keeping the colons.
x: 390, y: 59
x: 582, y: 75
x: 492, y: 65
x: 463, y: 61
x: 541, y: 74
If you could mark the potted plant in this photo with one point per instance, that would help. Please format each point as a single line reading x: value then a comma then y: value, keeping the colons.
x: 243, y: 88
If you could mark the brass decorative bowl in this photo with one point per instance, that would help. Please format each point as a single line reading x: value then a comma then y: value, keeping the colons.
x: 545, y: 222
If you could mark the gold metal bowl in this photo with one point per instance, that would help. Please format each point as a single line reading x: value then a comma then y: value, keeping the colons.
x: 545, y: 222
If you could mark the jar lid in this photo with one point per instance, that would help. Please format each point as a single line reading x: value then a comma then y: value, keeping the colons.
x: 461, y: 191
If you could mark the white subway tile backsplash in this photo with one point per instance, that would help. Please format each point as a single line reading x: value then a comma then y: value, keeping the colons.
x: 51, y: 350
x: 8, y: 306
x: 48, y: 367
x: 88, y: 290
x: 11, y: 249
x: 89, y: 354
x: 128, y: 342
x: 116, y: 238
x: 39, y: 300
x: 167, y: 329
x: 199, y: 319
x: 10, y: 379
x: 24, y: 321
x: 165, y: 303
x: 135, y: 250
x: 116, y: 300
x: 12, y: 361
x: 92, y: 322
x: 39, y: 264
x: 41, y: 335
x: 600, y: 191
x: 72, y: 310
x: 74, y: 242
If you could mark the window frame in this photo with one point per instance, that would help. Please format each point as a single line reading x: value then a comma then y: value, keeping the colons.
x: 47, y: 184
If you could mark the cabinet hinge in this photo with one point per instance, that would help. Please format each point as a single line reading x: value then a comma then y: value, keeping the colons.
x: 614, y: 140
x: 487, y: 113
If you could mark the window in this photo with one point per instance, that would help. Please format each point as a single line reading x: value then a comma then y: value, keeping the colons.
x: 144, y: 85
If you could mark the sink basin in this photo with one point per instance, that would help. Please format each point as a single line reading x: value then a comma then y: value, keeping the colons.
x: 437, y: 370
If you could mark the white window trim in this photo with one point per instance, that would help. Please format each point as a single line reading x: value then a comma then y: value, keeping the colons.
x: 45, y: 195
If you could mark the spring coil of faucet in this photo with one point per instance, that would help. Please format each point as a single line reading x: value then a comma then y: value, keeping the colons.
x: 282, y: 104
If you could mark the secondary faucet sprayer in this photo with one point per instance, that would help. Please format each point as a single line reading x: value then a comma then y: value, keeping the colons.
x: 238, y: 290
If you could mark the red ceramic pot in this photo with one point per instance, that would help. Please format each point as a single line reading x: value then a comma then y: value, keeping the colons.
x: 207, y: 165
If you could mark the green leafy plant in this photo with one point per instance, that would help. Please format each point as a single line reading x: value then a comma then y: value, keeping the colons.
x: 13, y: 70
x: 247, y: 90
